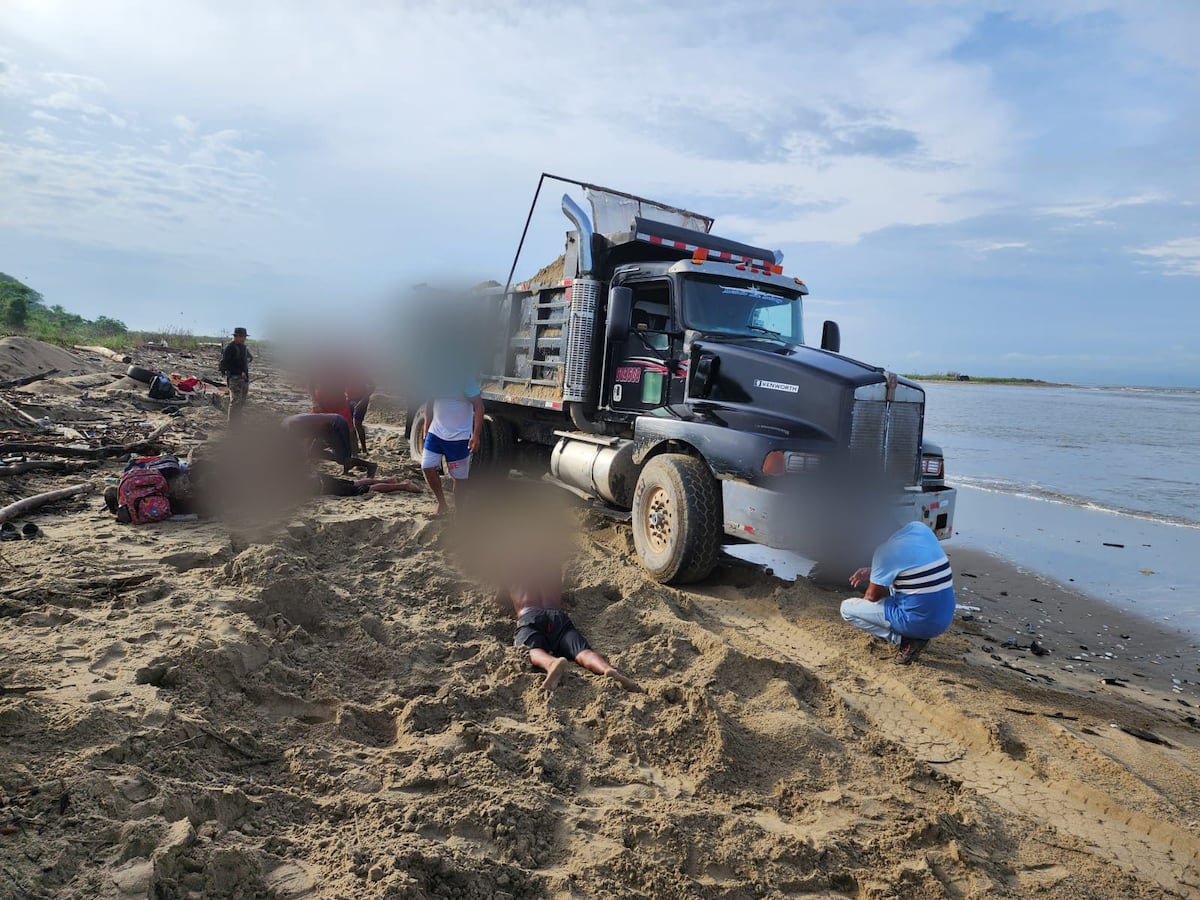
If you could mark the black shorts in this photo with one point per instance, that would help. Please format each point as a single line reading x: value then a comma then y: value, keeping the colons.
x: 340, y: 487
x: 550, y: 630
x: 358, y: 409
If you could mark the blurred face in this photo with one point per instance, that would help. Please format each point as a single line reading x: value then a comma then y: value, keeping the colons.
x: 239, y: 339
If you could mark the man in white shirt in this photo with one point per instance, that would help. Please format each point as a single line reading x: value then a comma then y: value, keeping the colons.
x: 451, y: 434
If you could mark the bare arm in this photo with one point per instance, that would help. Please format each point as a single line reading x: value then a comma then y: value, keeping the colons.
x: 876, y: 592
x: 477, y: 402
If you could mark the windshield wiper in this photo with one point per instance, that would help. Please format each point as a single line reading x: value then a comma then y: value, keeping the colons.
x: 761, y: 330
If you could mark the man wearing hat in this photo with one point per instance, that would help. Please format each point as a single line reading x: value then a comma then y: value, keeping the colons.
x: 235, y: 366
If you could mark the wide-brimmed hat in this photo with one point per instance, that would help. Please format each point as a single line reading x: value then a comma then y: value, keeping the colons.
x: 240, y: 332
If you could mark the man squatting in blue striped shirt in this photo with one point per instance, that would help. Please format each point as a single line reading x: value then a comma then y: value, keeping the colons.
x: 910, y: 592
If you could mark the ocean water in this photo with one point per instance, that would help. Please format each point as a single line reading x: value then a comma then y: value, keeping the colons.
x: 1094, y: 486
x: 1133, y: 451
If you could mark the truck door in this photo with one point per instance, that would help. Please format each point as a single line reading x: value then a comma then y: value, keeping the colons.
x: 640, y: 378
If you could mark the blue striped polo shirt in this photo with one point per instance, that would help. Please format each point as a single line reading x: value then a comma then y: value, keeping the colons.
x: 912, y: 564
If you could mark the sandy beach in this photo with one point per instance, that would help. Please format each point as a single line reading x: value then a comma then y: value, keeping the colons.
x: 326, y: 707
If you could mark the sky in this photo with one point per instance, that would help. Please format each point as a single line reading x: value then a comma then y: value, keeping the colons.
x: 997, y: 188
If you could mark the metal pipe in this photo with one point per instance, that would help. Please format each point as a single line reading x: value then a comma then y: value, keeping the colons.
x: 525, y: 230
x: 583, y: 226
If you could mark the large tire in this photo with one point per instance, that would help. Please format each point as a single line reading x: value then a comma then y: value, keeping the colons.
x: 142, y: 374
x: 496, y: 444
x: 677, y: 519
x: 416, y: 435
x: 503, y: 442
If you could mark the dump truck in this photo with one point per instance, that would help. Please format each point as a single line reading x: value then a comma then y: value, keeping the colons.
x: 665, y: 373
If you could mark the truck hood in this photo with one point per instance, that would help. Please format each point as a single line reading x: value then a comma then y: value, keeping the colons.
x: 774, y: 387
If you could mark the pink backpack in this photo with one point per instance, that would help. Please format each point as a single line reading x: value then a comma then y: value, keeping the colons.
x: 144, y: 494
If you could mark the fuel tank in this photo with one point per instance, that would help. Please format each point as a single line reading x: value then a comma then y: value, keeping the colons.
x: 600, y: 466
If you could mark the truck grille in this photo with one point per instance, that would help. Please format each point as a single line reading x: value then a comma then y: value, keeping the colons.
x: 886, y: 436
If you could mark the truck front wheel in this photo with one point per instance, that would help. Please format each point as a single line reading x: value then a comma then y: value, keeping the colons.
x: 677, y: 523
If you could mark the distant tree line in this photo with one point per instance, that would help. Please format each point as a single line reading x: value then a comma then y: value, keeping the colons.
x: 24, y: 311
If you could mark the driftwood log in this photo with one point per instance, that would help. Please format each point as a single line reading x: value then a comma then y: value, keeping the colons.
x: 28, y: 379
x: 146, y: 443
x: 105, y: 352
x: 38, y: 500
x: 18, y: 413
x: 44, y: 465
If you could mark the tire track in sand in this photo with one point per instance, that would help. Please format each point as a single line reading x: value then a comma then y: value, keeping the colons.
x: 940, y: 735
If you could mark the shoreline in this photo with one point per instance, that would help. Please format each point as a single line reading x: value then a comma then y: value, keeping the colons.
x: 1086, y: 637
x: 1131, y: 564
x: 985, y: 379
x: 1080, y: 632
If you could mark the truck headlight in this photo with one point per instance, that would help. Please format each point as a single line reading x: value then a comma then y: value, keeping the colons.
x: 933, y: 466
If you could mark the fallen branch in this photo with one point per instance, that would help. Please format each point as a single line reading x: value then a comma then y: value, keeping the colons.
x: 88, y: 452
x: 19, y: 413
x: 38, y: 500
x: 105, y: 352
x: 47, y: 465
x: 28, y: 379
x: 20, y: 689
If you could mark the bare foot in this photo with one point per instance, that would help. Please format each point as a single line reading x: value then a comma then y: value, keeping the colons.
x: 628, y: 683
x: 442, y: 511
x: 554, y: 674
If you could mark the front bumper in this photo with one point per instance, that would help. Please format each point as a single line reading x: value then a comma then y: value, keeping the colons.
x: 811, y: 526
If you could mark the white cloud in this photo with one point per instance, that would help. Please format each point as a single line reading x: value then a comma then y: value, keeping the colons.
x: 992, y: 246
x: 1178, y: 257
x: 440, y: 97
x: 40, y: 135
x: 1093, y: 209
x: 75, y: 84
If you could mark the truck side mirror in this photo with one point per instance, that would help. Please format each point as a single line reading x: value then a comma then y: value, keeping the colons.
x: 831, y: 337
x: 620, y: 308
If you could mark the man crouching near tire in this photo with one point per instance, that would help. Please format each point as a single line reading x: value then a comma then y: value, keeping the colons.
x: 909, y: 598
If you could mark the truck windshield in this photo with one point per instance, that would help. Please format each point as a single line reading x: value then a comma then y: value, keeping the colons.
x: 741, y: 307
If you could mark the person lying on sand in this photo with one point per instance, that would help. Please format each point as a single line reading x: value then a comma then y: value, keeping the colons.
x: 344, y: 487
x: 545, y: 629
x: 909, y: 597
x: 333, y: 431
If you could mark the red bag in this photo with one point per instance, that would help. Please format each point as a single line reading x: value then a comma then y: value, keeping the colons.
x: 144, y: 494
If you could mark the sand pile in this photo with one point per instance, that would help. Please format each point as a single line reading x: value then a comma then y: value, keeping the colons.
x: 21, y: 357
x: 326, y: 707
x: 551, y: 273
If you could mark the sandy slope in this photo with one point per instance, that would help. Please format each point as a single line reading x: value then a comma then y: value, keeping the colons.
x: 325, y: 707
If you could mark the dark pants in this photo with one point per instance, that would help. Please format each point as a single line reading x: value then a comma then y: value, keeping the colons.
x: 239, y: 389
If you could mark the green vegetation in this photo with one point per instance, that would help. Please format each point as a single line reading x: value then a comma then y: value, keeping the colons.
x: 982, y: 379
x: 24, y: 311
